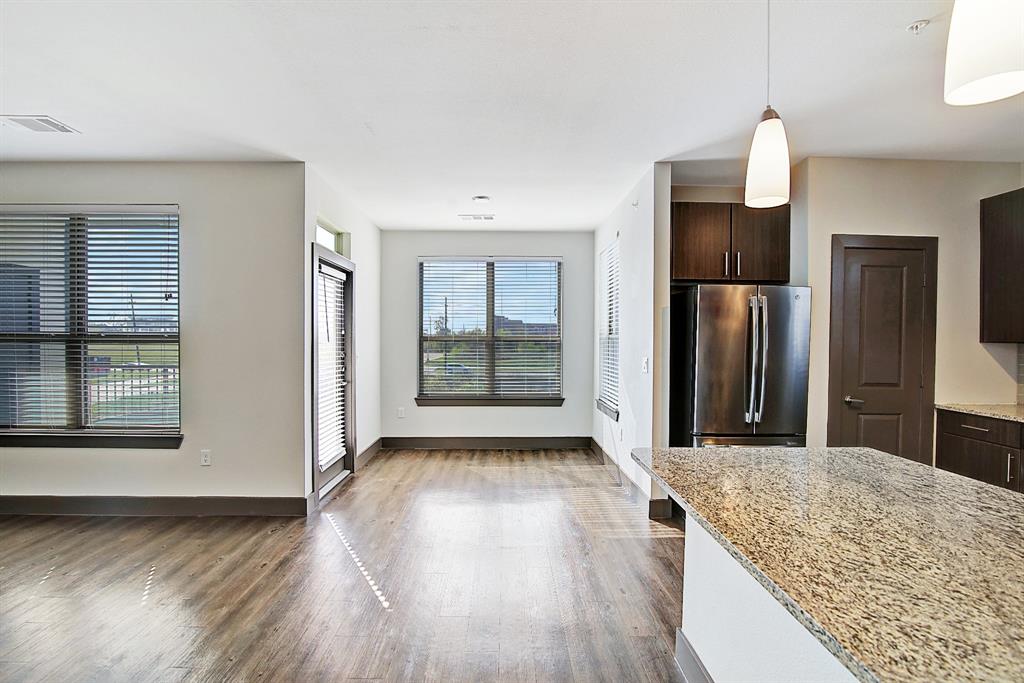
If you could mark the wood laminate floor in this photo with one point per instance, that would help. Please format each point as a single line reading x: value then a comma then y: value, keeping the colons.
x: 428, y: 565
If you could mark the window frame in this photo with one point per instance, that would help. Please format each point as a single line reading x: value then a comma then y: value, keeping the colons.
x: 605, y: 327
x: 78, y: 338
x: 490, y: 339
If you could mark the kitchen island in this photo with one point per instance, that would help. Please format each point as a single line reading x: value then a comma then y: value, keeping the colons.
x: 843, y: 564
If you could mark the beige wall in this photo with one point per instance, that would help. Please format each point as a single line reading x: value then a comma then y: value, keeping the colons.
x: 707, y: 193
x: 241, y: 331
x: 400, y: 334
x: 888, y: 197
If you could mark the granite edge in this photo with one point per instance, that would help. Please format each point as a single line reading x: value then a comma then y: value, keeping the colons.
x: 966, y: 409
x: 845, y: 657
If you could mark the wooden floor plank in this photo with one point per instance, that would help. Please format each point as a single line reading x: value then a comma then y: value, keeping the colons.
x: 475, y: 565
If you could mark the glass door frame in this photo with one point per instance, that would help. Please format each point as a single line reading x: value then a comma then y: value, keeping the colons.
x: 326, y: 481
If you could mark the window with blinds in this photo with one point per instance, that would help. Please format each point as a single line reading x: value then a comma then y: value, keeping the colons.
x: 608, y: 337
x: 332, y: 382
x: 89, y: 321
x: 491, y: 329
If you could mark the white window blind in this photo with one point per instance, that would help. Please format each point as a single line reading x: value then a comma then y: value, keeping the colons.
x: 88, y: 321
x: 332, y: 381
x: 490, y: 328
x: 608, y: 389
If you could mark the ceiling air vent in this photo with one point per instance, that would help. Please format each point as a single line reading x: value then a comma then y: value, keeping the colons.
x: 36, y: 124
x: 477, y: 216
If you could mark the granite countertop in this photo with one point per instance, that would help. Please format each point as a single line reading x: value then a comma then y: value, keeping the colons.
x: 1002, y: 411
x: 903, y: 571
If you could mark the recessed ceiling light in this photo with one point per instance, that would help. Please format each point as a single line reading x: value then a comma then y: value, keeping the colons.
x: 36, y: 123
x: 481, y: 199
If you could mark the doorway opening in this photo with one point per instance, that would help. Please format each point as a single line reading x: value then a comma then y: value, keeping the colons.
x: 333, y: 385
x: 881, y: 390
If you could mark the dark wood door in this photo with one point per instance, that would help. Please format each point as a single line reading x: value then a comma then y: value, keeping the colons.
x: 882, y: 344
x: 988, y: 462
x: 1002, y: 267
x: 760, y: 244
x: 701, y: 247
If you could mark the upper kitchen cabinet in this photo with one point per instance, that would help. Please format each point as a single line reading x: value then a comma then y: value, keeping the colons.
x: 701, y: 241
x: 714, y: 241
x: 760, y: 243
x: 1002, y: 267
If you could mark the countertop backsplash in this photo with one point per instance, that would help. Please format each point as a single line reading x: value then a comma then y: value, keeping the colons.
x: 1020, y: 374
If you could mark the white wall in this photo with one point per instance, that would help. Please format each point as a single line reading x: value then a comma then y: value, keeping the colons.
x: 326, y: 203
x: 890, y: 197
x: 633, y: 220
x: 241, y: 331
x: 399, y: 329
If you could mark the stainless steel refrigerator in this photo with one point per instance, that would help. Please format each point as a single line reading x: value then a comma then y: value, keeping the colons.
x: 738, y: 367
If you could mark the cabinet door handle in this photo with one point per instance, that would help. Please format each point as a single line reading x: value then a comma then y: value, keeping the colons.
x: 737, y: 264
x: 726, y: 254
x: 1009, y: 462
x: 977, y: 429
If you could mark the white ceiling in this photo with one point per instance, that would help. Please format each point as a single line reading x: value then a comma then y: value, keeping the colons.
x: 554, y: 108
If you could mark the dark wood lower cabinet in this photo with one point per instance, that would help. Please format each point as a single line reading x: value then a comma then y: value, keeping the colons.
x: 988, y: 462
x: 982, y: 448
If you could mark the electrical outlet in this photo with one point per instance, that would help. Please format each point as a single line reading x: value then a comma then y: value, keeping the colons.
x: 205, y: 459
x: 401, y: 413
x: 644, y: 365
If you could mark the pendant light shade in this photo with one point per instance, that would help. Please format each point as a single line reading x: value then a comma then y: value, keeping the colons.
x: 985, y: 51
x: 768, y: 164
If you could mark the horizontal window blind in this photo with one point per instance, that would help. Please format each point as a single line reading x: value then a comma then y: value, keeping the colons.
x: 88, y: 321
x: 332, y: 382
x: 490, y: 328
x: 608, y: 339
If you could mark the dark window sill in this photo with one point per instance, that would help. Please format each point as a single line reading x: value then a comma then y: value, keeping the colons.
x: 486, y: 401
x: 90, y: 440
x: 607, y: 409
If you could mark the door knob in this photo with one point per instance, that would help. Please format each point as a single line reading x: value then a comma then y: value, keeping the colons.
x: 851, y: 401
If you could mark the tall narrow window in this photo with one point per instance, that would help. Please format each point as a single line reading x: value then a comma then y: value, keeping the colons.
x: 608, y: 337
x: 332, y: 381
x: 490, y: 331
x: 89, y: 322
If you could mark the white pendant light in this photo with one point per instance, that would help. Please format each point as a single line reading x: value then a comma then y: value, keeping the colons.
x: 768, y: 163
x: 985, y: 51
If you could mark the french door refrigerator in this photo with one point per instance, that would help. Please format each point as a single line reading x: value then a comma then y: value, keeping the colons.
x: 738, y: 366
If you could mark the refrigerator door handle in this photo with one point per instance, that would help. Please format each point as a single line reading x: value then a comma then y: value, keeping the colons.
x: 748, y: 415
x: 764, y: 356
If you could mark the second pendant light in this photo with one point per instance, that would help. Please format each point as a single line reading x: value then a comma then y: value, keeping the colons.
x: 767, y: 182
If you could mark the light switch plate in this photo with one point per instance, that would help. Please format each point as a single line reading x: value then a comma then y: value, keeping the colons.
x: 401, y: 413
x: 644, y: 365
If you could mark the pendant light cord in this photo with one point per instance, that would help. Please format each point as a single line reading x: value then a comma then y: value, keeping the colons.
x: 768, y: 58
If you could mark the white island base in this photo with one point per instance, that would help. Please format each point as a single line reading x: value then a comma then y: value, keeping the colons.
x: 734, y: 630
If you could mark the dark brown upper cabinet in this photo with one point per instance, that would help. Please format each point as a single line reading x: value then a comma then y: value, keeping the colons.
x: 1002, y: 267
x: 719, y: 241
x: 701, y: 241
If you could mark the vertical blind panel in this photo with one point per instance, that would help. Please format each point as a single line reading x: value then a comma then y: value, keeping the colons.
x: 331, y: 368
x: 608, y: 340
x: 490, y: 328
x: 89, y: 321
